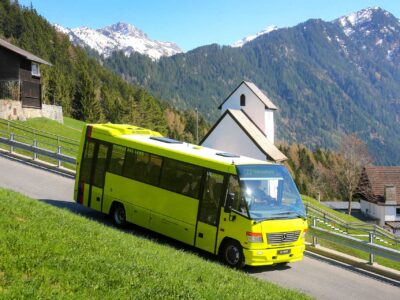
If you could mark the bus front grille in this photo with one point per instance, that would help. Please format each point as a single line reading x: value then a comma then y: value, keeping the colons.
x: 283, y: 237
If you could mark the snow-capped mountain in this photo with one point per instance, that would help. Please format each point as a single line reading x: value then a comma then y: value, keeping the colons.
x: 374, y: 30
x: 249, y: 38
x: 119, y: 37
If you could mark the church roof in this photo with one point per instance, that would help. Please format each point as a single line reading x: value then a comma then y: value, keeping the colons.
x: 253, y: 132
x: 257, y: 92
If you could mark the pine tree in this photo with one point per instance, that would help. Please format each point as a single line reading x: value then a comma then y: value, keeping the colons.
x: 85, y: 105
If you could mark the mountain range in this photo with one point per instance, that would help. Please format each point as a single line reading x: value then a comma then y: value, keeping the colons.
x: 327, y: 78
x: 119, y: 37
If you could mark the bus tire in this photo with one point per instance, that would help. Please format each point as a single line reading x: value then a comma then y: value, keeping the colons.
x: 118, y: 215
x: 232, y: 254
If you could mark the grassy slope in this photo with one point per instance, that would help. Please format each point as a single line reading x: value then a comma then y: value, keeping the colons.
x: 47, y: 252
x: 71, y: 128
x: 343, y: 216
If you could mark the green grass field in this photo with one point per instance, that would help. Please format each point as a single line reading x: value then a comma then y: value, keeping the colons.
x: 71, y: 128
x: 47, y: 253
x: 343, y: 216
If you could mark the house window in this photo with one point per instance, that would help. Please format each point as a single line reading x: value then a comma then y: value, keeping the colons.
x: 35, y: 69
x: 398, y: 211
x: 242, y: 100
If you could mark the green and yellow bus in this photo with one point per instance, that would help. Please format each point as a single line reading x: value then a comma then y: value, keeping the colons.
x: 245, y: 210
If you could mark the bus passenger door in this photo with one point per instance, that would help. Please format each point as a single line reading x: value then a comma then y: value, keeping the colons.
x: 209, y: 207
x: 98, y: 175
x: 92, y: 174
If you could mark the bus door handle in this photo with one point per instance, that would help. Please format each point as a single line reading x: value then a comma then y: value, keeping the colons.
x: 98, y: 198
x: 200, y: 234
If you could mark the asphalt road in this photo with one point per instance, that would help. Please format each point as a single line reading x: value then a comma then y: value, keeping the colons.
x: 316, y: 276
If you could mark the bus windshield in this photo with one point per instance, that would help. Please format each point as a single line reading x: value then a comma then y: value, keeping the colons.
x: 270, y: 192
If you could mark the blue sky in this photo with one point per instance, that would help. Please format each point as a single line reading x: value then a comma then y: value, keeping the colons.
x: 194, y: 23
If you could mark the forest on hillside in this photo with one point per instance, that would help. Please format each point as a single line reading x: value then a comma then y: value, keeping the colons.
x: 86, y: 90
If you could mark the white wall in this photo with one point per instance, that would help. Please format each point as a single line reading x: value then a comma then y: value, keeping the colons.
x: 229, y: 137
x: 269, y: 125
x: 254, y: 108
x: 390, y: 212
x: 383, y: 213
x: 368, y: 208
x: 380, y: 214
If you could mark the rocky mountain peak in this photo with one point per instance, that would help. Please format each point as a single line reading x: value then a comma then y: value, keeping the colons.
x: 120, y: 36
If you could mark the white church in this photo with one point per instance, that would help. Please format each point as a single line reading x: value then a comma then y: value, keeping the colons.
x: 246, y: 125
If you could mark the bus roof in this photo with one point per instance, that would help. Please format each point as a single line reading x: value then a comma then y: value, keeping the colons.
x: 154, y: 140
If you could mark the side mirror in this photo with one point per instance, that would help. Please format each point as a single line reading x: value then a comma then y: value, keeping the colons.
x: 229, y: 202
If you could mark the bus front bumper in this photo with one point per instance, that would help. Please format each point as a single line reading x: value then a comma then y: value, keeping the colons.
x: 263, y: 257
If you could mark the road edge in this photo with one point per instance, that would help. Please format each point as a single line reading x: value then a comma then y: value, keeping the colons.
x: 355, y: 262
x: 38, y: 163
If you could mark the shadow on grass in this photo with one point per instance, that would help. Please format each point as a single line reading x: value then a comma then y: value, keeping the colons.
x: 130, y: 228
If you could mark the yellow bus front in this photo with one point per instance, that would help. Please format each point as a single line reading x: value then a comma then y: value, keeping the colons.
x: 264, y: 220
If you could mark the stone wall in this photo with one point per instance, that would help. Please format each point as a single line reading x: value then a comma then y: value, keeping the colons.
x: 53, y: 112
x: 13, y: 110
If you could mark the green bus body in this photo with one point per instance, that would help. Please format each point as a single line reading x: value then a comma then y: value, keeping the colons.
x: 137, y: 170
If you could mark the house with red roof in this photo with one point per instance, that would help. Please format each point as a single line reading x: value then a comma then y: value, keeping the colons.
x: 379, y: 193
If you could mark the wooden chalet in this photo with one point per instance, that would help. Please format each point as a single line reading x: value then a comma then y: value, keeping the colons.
x: 20, y: 75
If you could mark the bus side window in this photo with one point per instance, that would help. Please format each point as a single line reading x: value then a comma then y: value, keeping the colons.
x: 154, y: 169
x: 239, y: 204
x: 142, y: 166
x: 128, y: 170
x: 117, y: 159
x: 181, y: 177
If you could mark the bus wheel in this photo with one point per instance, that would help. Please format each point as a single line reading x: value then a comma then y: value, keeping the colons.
x: 118, y: 215
x: 232, y: 254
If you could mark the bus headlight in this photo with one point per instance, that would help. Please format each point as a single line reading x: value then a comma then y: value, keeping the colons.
x: 304, y: 233
x: 254, y: 237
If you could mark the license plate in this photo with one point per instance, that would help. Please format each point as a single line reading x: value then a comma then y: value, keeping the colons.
x: 281, y: 252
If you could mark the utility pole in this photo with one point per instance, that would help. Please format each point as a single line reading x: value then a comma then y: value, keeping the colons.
x: 197, y: 126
